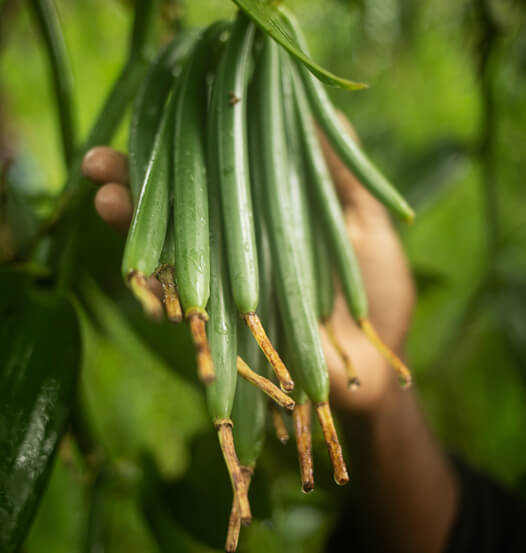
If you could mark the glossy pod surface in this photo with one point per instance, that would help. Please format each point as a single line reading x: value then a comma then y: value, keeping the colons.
x: 228, y: 103
x: 146, y: 116
x: 250, y: 406
x: 267, y: 308
x: 351, y: 154
x: 192, y: 251
x: 147, y: 232
x: 329, y: 208
x: 297, y: 177
x: 149, y: 105
x: 295, y: 303
x: 222, y: 322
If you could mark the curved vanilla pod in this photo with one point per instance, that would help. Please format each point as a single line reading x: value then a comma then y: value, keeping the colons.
x: 145, y: 240
x: 350, y: 152
x: 331, y: 214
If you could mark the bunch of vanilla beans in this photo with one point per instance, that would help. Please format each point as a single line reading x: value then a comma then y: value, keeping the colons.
x: 236, y: 214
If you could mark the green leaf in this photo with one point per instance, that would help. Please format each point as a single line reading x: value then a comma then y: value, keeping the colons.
x: 39, y: 360
x: 270, y: 19
x: 176, y: 513
x: 60, y: 522
x: 135, y: 402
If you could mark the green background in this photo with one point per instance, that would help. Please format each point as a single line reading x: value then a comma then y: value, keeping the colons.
x: 445, y: 117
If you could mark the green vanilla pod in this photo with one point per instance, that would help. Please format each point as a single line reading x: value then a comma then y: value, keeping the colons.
x: 190, y: 194
x: 350, y: 152
x: 222, y: 335
x: 228, y: 102
x: 149, y: 105
x: 228, y: 134
x: 146, y: 237
x: 295, y: 302
x: 297, y: 177
x: 331, y: 212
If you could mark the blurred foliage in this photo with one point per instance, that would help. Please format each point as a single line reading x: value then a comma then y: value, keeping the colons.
x: 445, y: 116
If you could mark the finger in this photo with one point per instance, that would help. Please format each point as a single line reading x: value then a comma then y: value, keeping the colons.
x: 113, y: 204
x: 352, y: 194
x: 103, y: 164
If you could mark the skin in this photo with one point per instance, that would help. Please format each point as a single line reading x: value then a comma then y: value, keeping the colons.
x: 405, y: 487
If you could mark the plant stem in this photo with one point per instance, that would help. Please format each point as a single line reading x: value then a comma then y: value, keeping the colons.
x: 490, y: 32
x: 489, y: 177
x: 120, y: 95
x: 143, y: 34
x: 78, y: 190
x: 65, y: 220
x: 47, y: 21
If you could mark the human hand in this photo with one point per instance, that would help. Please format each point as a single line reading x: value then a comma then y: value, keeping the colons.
x: 384, y: 267
x: 390, y: 293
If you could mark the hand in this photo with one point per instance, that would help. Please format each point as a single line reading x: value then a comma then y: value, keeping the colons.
x: 384, y: 267
x: 390, y: 293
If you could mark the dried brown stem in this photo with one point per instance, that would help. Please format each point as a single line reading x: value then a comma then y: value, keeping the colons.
x: 280, y: 370
x: 234, y: 523
x: 239, y: 487
x: 279, y: 424
x: 397, y: 364
x: 172, y: 303
x: 205, y: 364
x: 323, y: 411
x: 352, y: 379
x: 149, y: 301
x: 265, y: 385
x: 302, y: 429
